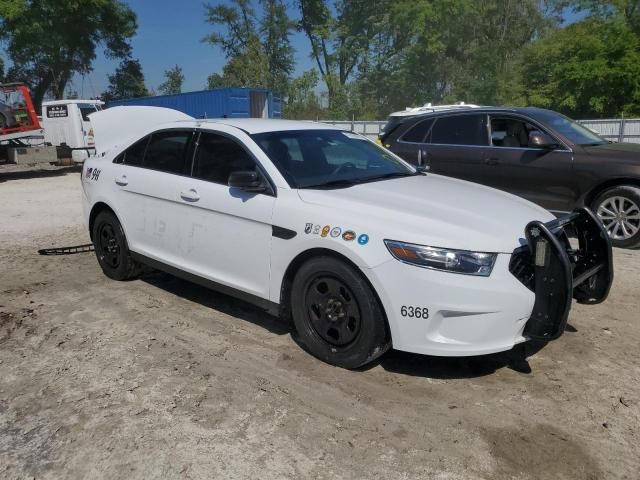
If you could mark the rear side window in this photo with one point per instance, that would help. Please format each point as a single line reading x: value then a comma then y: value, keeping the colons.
x: 460, y: 130
x: 217, y: 156
x: 135, y: 153
x: 167, y: 152
x: 418, y: 133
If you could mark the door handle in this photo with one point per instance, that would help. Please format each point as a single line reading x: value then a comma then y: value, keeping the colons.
x: 491, y: 161
x: 122, y: 180
x: 190, y: 195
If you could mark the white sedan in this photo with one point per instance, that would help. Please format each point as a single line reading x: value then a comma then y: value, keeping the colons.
x: 361, y: 250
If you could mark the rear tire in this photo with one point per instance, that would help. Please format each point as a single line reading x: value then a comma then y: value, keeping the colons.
x: 619, y: 210
x: 337, y: 315
x: 111, y: 248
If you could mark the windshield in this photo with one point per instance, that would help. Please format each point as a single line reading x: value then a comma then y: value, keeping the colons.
x: 575, y: 132
x: 329, y: 158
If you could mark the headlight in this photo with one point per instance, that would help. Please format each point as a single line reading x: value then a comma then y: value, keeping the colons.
x: 455, y: 261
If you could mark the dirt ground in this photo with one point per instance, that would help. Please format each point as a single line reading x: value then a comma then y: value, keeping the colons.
x: 158, y: 378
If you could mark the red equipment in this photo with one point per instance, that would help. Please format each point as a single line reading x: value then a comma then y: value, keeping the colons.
x: 16, y: 109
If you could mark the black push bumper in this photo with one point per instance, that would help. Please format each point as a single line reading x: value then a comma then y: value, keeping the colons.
x: 557, y: 272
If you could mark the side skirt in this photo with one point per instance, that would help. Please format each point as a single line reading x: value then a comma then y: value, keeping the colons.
x: 271, y: 307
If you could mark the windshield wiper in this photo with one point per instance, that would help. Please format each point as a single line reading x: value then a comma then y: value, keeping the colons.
x: 345, y: 183
x: 334, y: 184
x: 384, y: 176
x: 595, y: 144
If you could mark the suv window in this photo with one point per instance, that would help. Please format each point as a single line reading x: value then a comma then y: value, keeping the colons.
x: 460, y: 130
x: 167, y: 151
x: 510, y: 132
x: 217, y: 156
x: 135, y: 153
x: 418, y: 133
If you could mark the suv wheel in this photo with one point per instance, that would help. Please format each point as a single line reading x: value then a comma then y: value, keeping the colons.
x: 619, y: 210
x: 111, y: 248
x: 337, y: 315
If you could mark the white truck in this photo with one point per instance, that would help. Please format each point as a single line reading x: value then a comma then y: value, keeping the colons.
x: 66, y: 126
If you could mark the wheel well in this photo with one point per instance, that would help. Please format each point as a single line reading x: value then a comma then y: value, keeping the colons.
x: 618, y: 182
x: 97, y: 208
x: 297, y: 262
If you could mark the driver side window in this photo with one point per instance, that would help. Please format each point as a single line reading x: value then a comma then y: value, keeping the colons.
x: 217, y: 156
x: 511, y: 132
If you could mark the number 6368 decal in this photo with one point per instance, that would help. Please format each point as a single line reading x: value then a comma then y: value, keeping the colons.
x: 414, y: 312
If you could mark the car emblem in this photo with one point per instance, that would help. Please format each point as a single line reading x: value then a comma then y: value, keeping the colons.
x: 349, y: 236
x: 316, y: 229
x: 335, y: 232
x: 363, y: 239
x: 308, y: 227
x: 325, y: 231
x: 535, y: 232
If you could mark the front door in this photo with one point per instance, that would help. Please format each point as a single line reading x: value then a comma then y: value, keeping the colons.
x: 543, y: 176
x: 227, y: 232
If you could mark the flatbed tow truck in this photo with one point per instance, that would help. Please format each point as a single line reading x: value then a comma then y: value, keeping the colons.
x: 20, y: 129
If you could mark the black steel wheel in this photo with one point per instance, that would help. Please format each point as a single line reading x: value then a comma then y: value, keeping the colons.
x: 333, y: 310
x: 111, y: 248
x: 336, y: 313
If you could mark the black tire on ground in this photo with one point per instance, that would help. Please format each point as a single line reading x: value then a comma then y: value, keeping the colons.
x: 619, y: 210
x: 111, y: 248
x: 337, y: 315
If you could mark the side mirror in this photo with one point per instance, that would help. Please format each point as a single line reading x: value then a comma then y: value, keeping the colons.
x: 246, y: 180
x: 538, y: 139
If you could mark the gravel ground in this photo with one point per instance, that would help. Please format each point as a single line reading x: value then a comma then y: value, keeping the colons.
x: 159, y: 378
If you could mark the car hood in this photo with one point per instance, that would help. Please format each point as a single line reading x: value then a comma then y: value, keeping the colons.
x: 616, y: 152
x: 433, y: 210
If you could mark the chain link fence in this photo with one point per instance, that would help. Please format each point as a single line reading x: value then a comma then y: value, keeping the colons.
x: 616, y: 130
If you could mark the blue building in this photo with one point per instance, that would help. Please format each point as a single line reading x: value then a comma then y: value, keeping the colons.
x: 217, y: 103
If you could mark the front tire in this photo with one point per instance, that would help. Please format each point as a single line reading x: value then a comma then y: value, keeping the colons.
x: 111, y: 248
x: 619, y: 210
x: 337, y: 315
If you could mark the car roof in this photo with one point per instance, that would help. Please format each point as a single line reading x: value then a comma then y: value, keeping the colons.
x: 69, y: 101
x: 476, y: 110
x: 261, y: 125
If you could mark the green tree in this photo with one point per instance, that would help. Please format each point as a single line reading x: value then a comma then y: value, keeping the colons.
x: 629, y: 10
x: 173, y: 83
x: 126, y: 82
x: 258, y: 49
x: 249, y: 68
x: 48, y: 41
x: 302, y: 101
x: 590, y: 68
x: 339, y: 39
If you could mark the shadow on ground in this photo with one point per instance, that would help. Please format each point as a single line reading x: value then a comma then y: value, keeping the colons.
x: 393, y: 361
x: 217, y: 301
x: 6, y: 176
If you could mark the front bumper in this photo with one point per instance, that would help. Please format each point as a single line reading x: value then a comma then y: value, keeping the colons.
x: 520, y: 300
x: 558, y: 271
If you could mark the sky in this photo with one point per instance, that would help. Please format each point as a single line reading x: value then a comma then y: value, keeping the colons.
x: 169, y: 34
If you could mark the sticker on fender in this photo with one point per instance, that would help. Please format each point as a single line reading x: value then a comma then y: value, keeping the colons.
x: 411, y: 311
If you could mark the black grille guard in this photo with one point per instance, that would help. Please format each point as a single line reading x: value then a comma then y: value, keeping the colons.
x: 557, y: 272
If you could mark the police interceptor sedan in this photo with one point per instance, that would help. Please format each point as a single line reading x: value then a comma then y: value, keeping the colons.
x: 360, y: 249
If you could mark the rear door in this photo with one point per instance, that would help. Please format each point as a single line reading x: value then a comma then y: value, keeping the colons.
x: 227, y: 232
x: 149, y: 179
x: 456, y: 146
x: 543, y: 176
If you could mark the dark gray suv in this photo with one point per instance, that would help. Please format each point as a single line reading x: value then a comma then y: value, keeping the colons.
x: 538, y: 154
